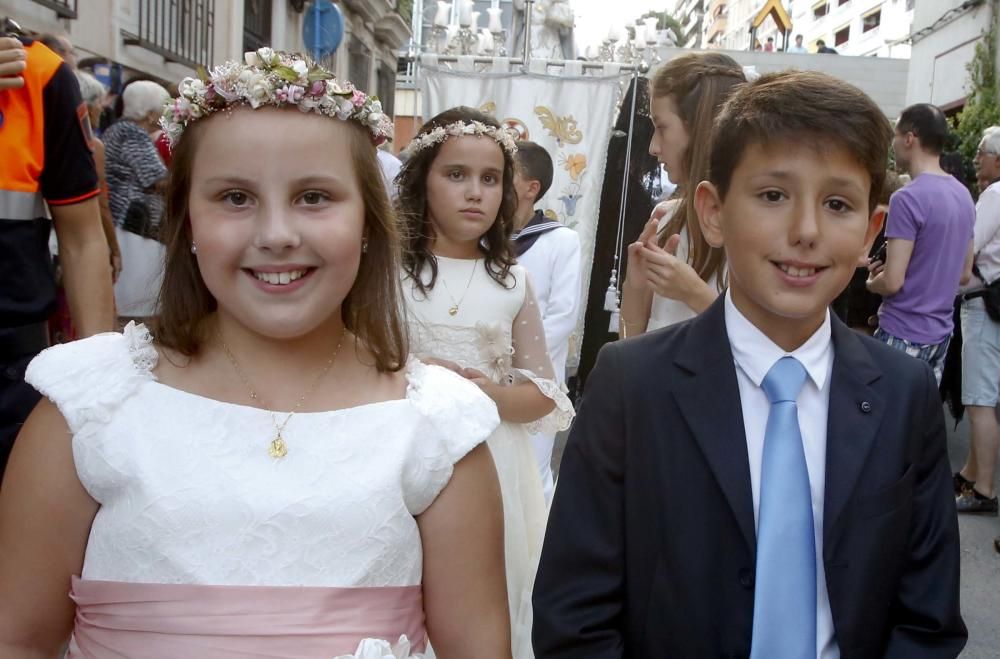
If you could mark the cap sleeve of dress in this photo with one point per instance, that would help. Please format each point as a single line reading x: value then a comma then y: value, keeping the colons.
x: 455, y: 417
x: 88, y: 379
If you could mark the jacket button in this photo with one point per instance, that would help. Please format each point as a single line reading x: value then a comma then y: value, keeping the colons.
x: 746, y: 578
x: 866, y: 407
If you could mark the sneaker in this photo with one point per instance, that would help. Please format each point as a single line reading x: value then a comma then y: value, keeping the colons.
x: 961, y: 484
x: 973, y: 502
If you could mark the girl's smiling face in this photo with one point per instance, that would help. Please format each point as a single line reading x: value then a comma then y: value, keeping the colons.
x: 277, y: 216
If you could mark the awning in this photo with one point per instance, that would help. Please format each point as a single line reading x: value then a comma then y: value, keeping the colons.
x: 774, y: 9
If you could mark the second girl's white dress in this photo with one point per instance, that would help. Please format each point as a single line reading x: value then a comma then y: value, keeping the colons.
x: 497, y: 330
x: 666, y: 311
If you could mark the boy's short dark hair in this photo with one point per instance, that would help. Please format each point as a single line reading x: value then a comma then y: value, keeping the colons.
x: 820, y: 43
x: 928, y: 123
x: 535, y: 164
x: 802, y: 106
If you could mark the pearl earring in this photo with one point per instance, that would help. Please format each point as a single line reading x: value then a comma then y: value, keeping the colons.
x: 364, y: 245
x: 194, y: 248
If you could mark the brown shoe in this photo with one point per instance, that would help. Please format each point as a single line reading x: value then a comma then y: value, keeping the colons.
x: 996, y: 544
x: 961, y: 484
x: 974, y: 503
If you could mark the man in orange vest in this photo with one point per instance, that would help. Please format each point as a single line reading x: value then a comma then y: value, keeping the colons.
x: 45, y: 163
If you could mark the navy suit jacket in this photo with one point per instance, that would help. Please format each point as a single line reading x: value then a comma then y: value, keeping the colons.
x: 650, y: 546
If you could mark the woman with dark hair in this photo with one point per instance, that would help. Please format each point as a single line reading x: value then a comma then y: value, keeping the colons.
x: 471, y: 308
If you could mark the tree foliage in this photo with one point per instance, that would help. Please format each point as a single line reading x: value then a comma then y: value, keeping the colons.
x: 982, y: 108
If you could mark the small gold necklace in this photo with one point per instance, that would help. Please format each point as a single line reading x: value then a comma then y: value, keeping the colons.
x: 277, y: 449
x: 453, y: 310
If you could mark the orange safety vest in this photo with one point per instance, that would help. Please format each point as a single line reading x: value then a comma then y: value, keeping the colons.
x: 22, y: 138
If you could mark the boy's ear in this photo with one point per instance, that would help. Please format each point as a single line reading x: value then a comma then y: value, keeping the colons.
x: 708, y: 205
x: 875, y: 224
x: 534, y: 187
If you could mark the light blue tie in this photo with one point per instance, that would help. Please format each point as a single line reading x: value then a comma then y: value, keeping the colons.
x: 784, y: 605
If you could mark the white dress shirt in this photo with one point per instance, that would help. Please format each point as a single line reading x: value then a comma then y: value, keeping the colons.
x: 755, y: 354
x: 987, y: 233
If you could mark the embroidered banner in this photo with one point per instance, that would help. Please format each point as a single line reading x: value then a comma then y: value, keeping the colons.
x: 569, y: 114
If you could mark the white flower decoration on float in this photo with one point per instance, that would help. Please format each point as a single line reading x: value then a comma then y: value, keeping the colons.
x: 272, y: 78
x: 503, y: 136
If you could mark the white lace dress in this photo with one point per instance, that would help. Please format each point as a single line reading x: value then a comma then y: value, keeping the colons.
x: 189, y: 495
x: 498, y: 331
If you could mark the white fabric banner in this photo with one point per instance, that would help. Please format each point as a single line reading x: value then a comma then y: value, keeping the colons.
x: 571, y: 116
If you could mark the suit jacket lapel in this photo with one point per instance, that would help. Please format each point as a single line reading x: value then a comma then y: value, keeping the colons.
x: 856, y: 410
x: 709, y: 400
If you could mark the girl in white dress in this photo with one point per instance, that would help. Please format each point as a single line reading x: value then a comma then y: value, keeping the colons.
x: 271, y: 476
x: 673, y: 274
x: 471, y: 308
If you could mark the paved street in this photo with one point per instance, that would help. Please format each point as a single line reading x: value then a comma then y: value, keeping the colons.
x: 980, y: 565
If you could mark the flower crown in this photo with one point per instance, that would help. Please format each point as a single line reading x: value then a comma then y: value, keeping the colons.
x: 437, y: 135
x: 273, y: 78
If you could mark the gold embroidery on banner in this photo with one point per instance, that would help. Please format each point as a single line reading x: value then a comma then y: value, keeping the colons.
x: 564, y: 129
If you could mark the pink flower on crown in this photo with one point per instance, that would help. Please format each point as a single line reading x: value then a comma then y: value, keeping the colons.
x: 318, y: 88
x: 358, y: 99
x: 290, y: 94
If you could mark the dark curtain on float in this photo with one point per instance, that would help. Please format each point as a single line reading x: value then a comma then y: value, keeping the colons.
x: 642, y: 190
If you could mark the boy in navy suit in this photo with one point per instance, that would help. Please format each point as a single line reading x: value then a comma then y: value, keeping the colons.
x: 761, y: 481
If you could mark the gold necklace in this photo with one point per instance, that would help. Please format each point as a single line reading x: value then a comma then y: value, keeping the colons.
x: 277, y: 448
x: 453, y: 310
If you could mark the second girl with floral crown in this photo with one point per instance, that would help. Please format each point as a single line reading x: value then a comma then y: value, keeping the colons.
x: 472, y: 309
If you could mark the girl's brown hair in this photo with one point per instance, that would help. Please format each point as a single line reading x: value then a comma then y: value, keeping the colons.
x: 411, y: 207
x: 699, y: 84
x: 372, y: 309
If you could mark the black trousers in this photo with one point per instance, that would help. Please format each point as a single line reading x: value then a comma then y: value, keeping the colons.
x: 17, y: 399
x: 18, y: 346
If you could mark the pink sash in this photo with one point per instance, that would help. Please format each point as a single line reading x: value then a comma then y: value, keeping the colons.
x: 160, y: 621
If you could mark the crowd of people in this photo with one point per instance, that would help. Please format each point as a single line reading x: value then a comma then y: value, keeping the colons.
x: 325, y: 426
x: 821, y: 48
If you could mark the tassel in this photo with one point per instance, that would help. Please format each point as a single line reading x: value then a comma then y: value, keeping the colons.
x: 613, y: 326
x: 611, y: 298
x: 611, y: 295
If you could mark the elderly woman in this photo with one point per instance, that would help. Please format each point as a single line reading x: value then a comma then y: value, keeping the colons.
x: 94, y: 95
x: 136, y: 178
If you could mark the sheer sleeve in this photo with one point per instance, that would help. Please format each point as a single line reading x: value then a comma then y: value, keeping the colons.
x: 531, y: 363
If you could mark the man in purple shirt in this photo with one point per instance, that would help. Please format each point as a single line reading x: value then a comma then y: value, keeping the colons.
x: 930, y: 243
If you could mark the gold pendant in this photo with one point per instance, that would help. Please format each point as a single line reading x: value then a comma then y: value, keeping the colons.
x: 453, y: 310
x: 277, y: 449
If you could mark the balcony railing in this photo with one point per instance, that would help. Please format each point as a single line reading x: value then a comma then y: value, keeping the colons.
x: 63, y: 8
x: 181, y: 31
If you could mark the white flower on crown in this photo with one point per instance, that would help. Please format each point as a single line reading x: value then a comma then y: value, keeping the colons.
x: 258, y: 90
x: 261, y: 57
x: 191, y: 88
x: 301, y: 69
